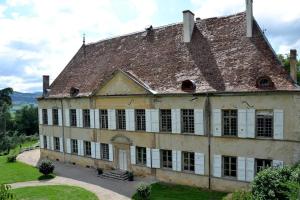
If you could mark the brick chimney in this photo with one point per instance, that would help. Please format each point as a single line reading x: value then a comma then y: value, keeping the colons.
x: 249, y: 17
x: 293, y: 64
x: 46, y: 85
x: 188, y: 25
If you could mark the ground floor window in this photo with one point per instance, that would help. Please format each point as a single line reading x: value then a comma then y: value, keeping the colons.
x: 166, y: 158
x: 74, y: 146
x: 45, y: 142
x: 188, y: 161
x: 229, y: 166
x: 87, y: 148
x: 261, y: 164
x: 56, y: 144
x: 141, y: 155
x: 104, y: 151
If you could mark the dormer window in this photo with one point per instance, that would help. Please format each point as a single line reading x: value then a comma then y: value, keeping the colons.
x: 188, y: 86
x: 264, y: 82
x: 74, y: 91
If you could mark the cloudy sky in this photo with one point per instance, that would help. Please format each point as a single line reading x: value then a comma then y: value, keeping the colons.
x: 40, y: 36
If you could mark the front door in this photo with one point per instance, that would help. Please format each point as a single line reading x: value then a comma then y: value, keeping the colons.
x: 123, y: 160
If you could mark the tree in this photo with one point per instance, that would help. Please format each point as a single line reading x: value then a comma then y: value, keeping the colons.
x: 26, y: 120
x: 285, y: 60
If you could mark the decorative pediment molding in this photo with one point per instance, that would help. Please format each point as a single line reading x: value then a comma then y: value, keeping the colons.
x: 121, y: 139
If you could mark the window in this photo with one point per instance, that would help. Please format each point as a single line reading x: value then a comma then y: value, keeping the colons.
x: 230, y: 122
x: 264, y: 82
x: 74, y: 146
x: 261, y: 164
x: 166, y: 158
x: 56, y: 144
x: 55, y: 116
x: 229, y: 166
x: 73, y: 117
x: 104, y: 151
x: 187, y: 120
x: 188, y: 161
x: 165, y: 120
x: 140, y: 120
x: 103, y: 119
x: 45, y: 116
x: 188, y: 86
x: 121, y: 119
x: 264, y: 123
x: 45, y: 142
x: 141, y: 157
x: 87, y: 148
x: 86, y: 118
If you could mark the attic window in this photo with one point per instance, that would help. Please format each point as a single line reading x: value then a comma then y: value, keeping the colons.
x: 264, y: 82
x: 74, y: 91
x: 188, y: 86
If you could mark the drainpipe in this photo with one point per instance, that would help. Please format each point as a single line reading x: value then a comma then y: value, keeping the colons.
x: 207, y: 117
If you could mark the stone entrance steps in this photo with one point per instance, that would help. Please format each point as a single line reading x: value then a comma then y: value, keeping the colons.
x: 115, y: 174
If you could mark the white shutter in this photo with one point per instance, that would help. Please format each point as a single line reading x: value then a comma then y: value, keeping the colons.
x: 216, y: 122
x: 78, y: 117
x: 148, y: 120
x: 48, y: 142
x: 251, y: 123
x: 249, y: 169
x: 155, y: 158
x: 132, y: 155
x: 155, y: 120
x: 98, y: 154
x: 199, y: 163
x: 59, y: 117
x: 176, y: 121
x: 148, y: 156
x: 41, y: 141
x: 93, y: 149
x: 217, y: 165
x: 111, y: 119
x: 92, y: 118
x: 241, y: 175
x: 80, y: 147
x: 242, y: 120
x: 61, y: 145
x: 49, y: 113
x: 199, y: 129
x: 68, y: 145
x: 130, y: 119
x: 278, y: 124
x: 174, y: 160
x: 67, y: 117
x: 40, y: 116
x: 97, y: 119
x: 178, y: 159
x: 277, y: 163
x: 111, y: 152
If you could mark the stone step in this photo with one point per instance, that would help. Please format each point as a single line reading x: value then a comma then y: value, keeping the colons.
x: 115, y: 174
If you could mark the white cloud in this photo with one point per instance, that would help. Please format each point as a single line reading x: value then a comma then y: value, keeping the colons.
x: 18, y: 84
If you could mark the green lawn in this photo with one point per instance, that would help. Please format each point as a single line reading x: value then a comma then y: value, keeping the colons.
x: 163, y: 191
x: 53, y: 192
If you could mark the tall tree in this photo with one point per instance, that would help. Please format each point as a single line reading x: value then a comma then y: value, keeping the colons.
x: 27, y: 120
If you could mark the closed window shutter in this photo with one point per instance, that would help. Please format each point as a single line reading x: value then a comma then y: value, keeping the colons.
x: 48, y: 142
x: 61, y: 145
x: 130, y: 120
x: 49, y: 113
x: 217, y: 165
x: 176, y: 121
x: 67, y: 117
x: 249, y: 169
x: 80, y: 147
x: 251, y: 123
x: 277, y: 163
x: 111, y: 152
x: 98, y: 151
x: 148, y: 157
x: 148, y: 120
x: 155, y: 158
x: 42, y: 141
x: 52, y: 142
x: 216, y: 117
x: 174, y: 160
x: 199, y: 163
x: 241, y: 169
x: 155, y: 120
x: 132, y: 155
x: 59, y: 117
x: 40, y: 116
x: 97, y: 119
x: 278, y: 124
x: 93, y: 149
x: 112, y: 119
x: 68, y: 145
x: 242, y: 120
x: 178, y: 159
x: 78, y: 117
x: 92, y: 118
x: 198, y: 113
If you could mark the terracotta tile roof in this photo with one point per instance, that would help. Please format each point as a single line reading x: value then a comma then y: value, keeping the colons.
x: 219, y: 58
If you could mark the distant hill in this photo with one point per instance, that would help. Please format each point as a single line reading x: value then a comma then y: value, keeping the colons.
x: 20, y: 99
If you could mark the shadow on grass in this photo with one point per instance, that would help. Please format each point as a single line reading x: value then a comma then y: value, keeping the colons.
x: 46, y: 177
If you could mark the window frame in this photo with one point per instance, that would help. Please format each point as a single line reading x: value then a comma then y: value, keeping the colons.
x: 140, y: 119
x: 271, y: 116
x: 103, y: 117
x: 45, y: 142
x: 56, y: 144
x: 190, y: 165
x: 142, y: 152
x: 190, y: 124
x: 73, y: 118
x: 264, y: 164
x: 121, y: 119
x: 86, y: 122
x: 230, y: 170
x: 55, y: 116
x: 87, y: 148
x: 169, y: 162
x: 45, y: 116
x: 103, y: 155
x: 230, y: 117
x: 165, y: 120
x: 74, y: 143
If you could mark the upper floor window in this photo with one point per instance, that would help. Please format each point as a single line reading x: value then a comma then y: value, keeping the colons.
x: 166, y: 158
x: 261, y: 164
x: 74, y: 146
x: 73, y: 117
x: 188, y: 161
x: 86, y: 118
x: 187, y: 116
x: 56, y: 144
x: 103, y: 119
x: 229, y: 166
x: 121, y: 119
x: 229, y: 122
x: 140, y: 119
x: 141, y: 158
x: 104, y: 151
x: 264, y: 123
x: 45, y: 116
x: 87, y: 148
x: 165, y: 120
x: 55, y: 116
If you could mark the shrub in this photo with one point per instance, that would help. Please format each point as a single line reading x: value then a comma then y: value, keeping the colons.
x: 294, y: 190
x: 241, y: 195
x: 11, y: 158
x: 143, y: 192
x: 46, y: 167
x: 5, y: 193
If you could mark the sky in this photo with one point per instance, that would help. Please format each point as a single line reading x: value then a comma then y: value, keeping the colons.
x: 39, y: 37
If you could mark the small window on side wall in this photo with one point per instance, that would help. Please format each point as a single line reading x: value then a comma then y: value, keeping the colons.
x: 264, y: 82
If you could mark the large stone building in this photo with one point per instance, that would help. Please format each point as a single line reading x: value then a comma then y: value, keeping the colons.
x: 204, y: 102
